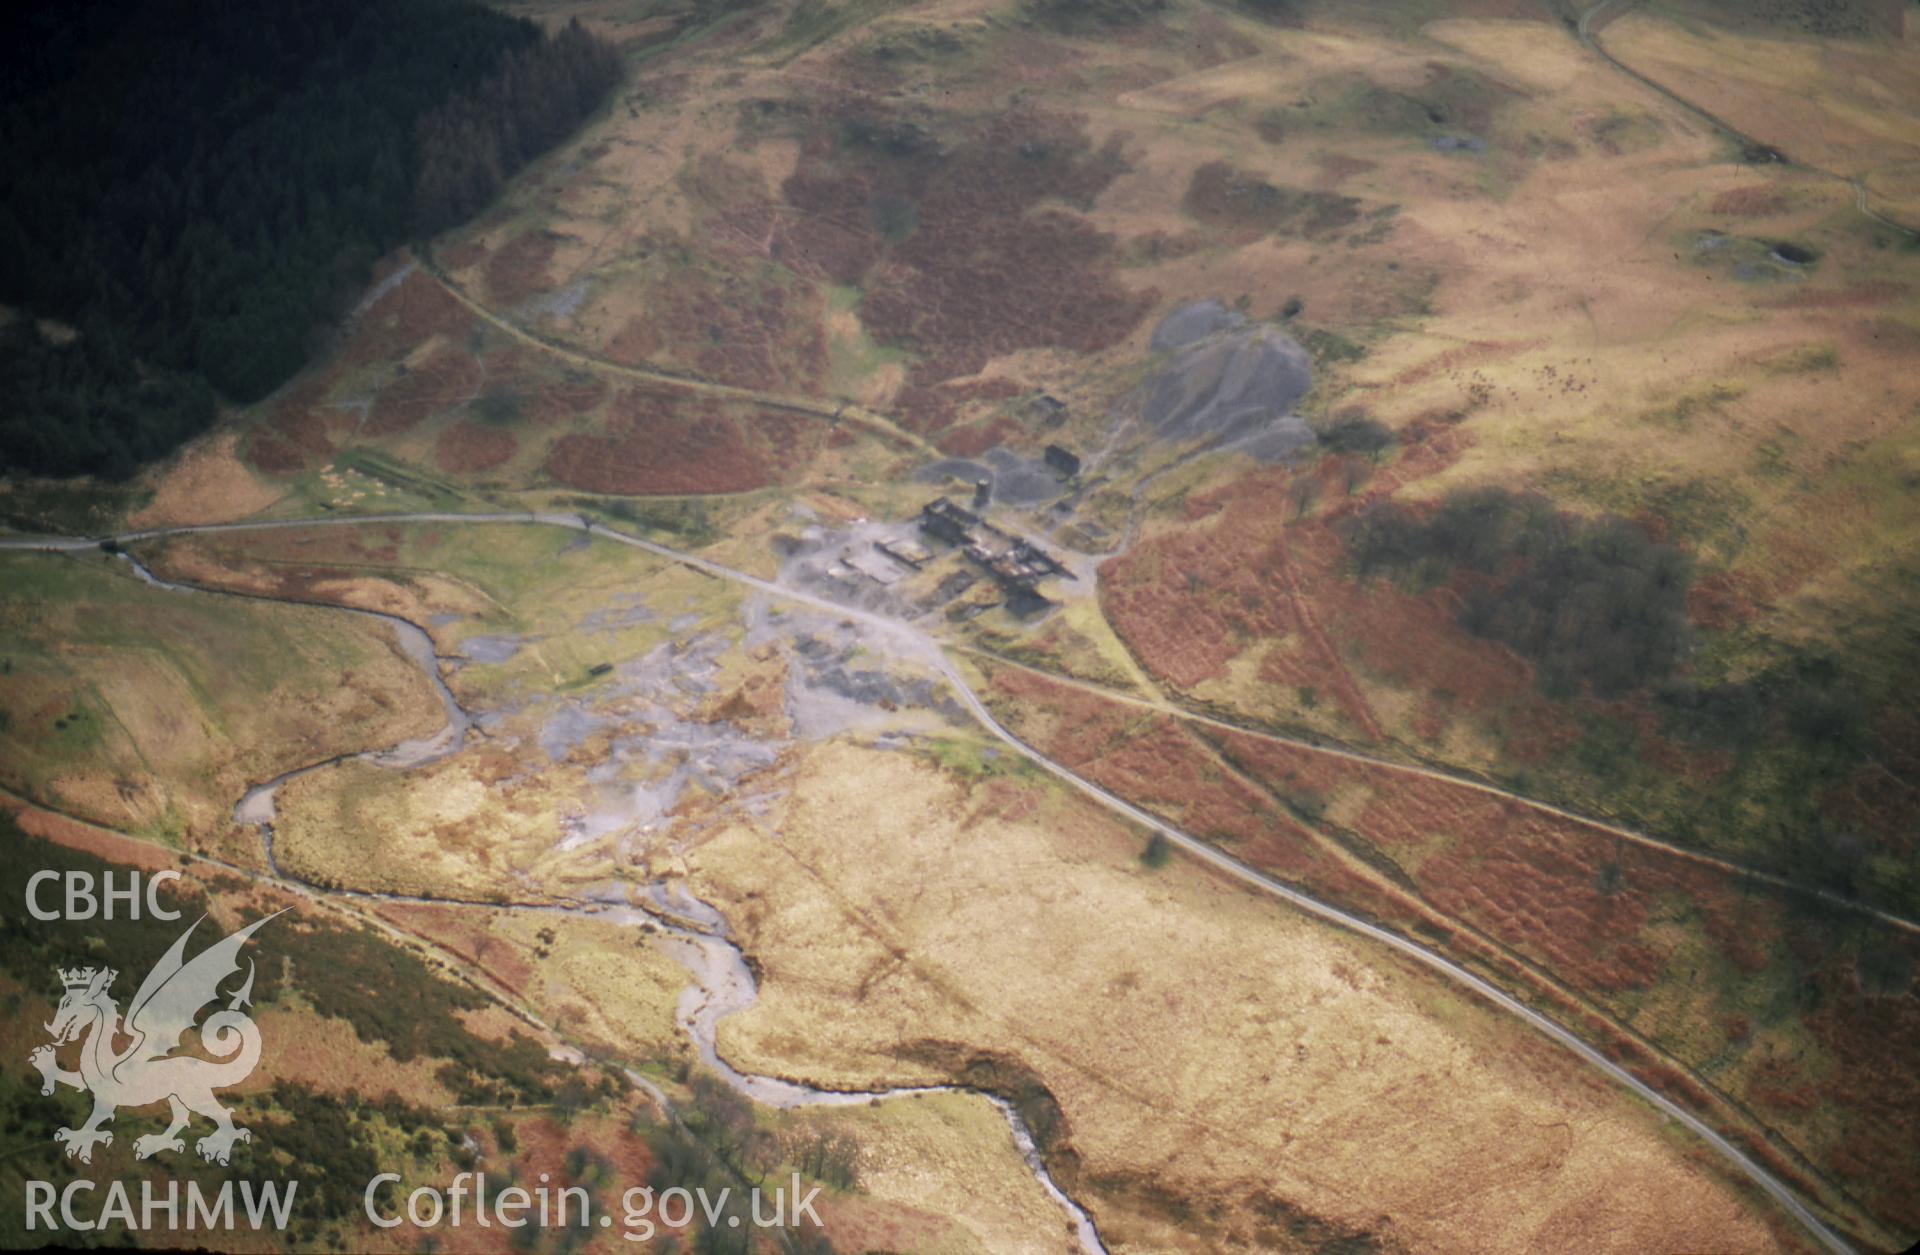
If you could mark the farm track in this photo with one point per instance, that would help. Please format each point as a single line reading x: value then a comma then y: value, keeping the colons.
x: 700, y: 1025
x: 1444, y: 776
x: 1159, y: 704
x: 853, y: 415
x: 915, y: 645
x: 1583, y: 32
x: 1480, y: 946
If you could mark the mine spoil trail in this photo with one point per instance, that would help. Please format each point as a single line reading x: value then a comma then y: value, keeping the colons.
x: 916, y: 645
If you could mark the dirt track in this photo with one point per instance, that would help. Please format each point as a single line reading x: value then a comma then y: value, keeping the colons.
x: 854, y: 415
x: 1455, y: 778
x: 915, y: 645
x: 1858, y: 182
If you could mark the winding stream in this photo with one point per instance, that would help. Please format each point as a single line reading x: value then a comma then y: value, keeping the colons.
x: 695, y: 934
x: 911, y: 643
x: 256, y: 805
x: 723, y: 984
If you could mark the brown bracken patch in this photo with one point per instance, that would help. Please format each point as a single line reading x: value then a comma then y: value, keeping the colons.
x: 1755, y: 201
x: 965, y: 241
x: 659, y: 442
x: 470, y: 446
x: 443, y: 381
x: 1249, y: 207
x: 518, y: 269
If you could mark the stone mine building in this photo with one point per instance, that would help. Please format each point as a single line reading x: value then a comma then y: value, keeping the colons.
x: 1017, y: 565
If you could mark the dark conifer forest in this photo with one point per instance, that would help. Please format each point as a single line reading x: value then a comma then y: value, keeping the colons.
x: 195, y: 191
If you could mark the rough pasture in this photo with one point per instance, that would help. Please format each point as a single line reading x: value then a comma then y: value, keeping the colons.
x: 469, y: 446
x: 517, y: 270
x: 406, y: 316
x: 1595, y: 931
x: 1248, y: 207
x: 305, y: 426
x: 299, y: 430
x: 750, y: 330
x: 1154, y: 761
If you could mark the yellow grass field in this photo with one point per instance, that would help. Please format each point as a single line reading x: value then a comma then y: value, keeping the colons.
x: 1202, y: 1044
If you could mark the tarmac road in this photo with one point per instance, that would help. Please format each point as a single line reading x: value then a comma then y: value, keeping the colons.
x: 915, y: 645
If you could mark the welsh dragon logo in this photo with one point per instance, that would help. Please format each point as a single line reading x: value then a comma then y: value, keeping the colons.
x: 147, y: 1071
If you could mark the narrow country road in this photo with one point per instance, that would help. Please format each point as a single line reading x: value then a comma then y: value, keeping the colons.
x: 1453, y: 778
x: 921, y: 643
x: 915, y: 645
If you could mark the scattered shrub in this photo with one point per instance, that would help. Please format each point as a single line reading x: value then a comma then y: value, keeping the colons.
x: 499, y: 406
x: 1221, y: 195
x: 1357, y: 434
x: 1593, y: 602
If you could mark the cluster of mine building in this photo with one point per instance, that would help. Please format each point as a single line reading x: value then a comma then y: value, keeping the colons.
x: 1015, y: 563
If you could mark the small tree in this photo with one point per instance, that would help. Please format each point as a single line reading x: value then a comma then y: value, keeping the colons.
x: 1304, y: 489
x: 1356, y: 433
